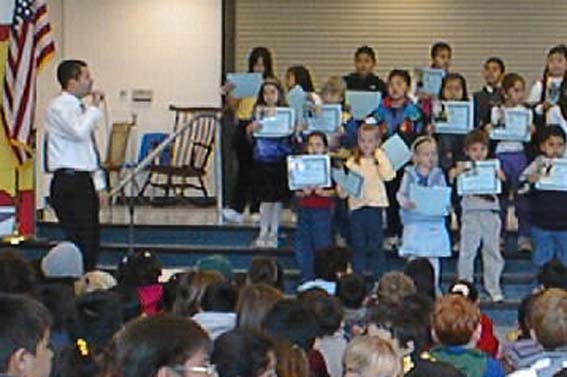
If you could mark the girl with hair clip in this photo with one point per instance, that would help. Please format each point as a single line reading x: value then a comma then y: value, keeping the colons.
x: 423, y: 235
x: 512, y: 157
x: 243, y: 192
x: 269, y: 166
x: 545, y: 93
x: 366, y: 212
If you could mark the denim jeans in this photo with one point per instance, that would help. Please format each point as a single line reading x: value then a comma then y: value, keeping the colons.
x: 367, y: 236
x: 313, y: 234
x: 549, y: 244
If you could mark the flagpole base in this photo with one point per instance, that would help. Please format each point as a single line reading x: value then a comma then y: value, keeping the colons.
x: 15, y: 239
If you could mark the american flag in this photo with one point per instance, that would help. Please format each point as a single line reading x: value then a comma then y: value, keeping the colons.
x: 30, y: 47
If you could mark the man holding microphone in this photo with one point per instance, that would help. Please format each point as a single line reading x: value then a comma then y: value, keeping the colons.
x: 72, y: 156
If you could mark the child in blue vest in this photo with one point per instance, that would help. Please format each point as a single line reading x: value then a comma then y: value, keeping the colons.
x: 423, y: 235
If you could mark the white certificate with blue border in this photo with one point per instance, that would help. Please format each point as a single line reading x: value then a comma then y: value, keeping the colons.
x: 554, y: 177
x: 245, y: 84
x: 325, y: 118
x: 480, y: 177
x: 362, y: 103
x: 276, y: 122
x: 515, y: 126
x: 397, y: 151
x: 429, y: 80
x: 350, y: 181
x: 453, y: 117
x: 431, y: 201
x: 308, y: 171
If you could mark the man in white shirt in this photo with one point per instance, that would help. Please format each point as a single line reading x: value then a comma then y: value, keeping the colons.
x: 73, y: 158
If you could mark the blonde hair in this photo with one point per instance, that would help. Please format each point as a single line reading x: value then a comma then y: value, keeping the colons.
x: 334, y: 84
x: 366, y: 128
x: 372, y: 356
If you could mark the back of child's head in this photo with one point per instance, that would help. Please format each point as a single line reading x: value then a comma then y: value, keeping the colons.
x: 16, y: 275
x: 421, y: 272
x: 372, y: 356
x: 495, y: 60
x: 332, y: 262
x: 217, y: 263
x: 220, y: 297
x: 451, y: 77
x: 242, y: 352
x: 455, y: 320
x: 329, y: 313
x: 334, y: 85
x: 351, y: 290
x: 553, y: 274
x: 466, y: 289
x: 402, y: 73
x: 59, y: 299
x: 438, y: 47
x: 548, y: 318
x: 475, y: 137
x: 291, y: 320
x: 189, y: 291
x: 254, y: 303
x: 365, y: 50
x: 524, y: 310
x: 264, y: 53
x: 434, y: 368
x: 24, y: 322
x: 147, y: 344
x: 510, y: 79
x: 99, y: 316
x: 302, y: 77
x: 138, y: 269
x: 292, y: 360
x: 265, y: 270
x: 393, y: 286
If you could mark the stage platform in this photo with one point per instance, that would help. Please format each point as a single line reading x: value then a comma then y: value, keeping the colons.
x: 182, y: 235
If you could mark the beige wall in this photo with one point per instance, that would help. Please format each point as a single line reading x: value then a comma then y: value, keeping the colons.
x: 173, y: 47
x: 324, y: 34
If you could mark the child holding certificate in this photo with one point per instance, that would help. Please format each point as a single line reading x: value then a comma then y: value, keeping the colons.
x: 244, y: 193
x: 270, y: 166
x: 314, y: 214
x: 363, y: 78
x: 366, y: 212
x: 480, y: 222
x: 545, y: 92
x: 547, y: 214
x: 512, y: 155
x: 424, y: 235
x: 441, y: 58
x: 397, y: 114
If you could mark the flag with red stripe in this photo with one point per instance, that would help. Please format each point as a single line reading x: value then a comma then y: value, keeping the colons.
x: 30, y: 46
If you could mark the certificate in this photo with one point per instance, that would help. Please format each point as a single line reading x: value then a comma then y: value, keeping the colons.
x: 276, y: 122
x: 246, y: 84
x: 325, y: 118
x: 480, y: 178
x: 554, y: 177
x: 297, y: 100
x: 453, y: 117
x: 514, y: 125
x: 308, y: 171
x: 397, y: 151
x: 362, y: 103
x: 429, y: 80
x: 431, y: 201
x: 351, y: 182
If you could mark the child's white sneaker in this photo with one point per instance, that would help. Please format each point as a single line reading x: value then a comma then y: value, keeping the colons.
x: 272, y: 242
x: 391, y: 243
x: 232, y: 216
x: 525, y: 244
x: 259, y: 243
x: 255, y: 218
x: 497, y: 298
